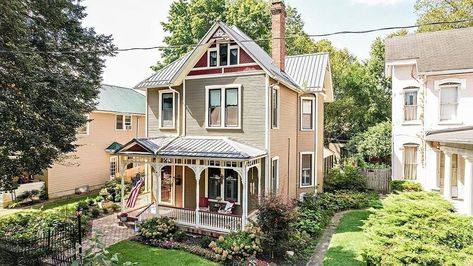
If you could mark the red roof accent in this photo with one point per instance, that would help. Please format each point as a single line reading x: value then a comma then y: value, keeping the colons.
x: 241, y: 68
x: 205, y: 71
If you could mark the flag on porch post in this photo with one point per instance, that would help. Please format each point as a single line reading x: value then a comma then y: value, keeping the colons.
x: 134, y: 194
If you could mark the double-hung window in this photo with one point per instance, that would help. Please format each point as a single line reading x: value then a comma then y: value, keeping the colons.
x: 167, y: 116
x: 275, y: 107
x: 449, y: 101
x: 410, y: 161
x: 224, y: 54
x: 223, y: 106
x: 306, y: 169
x: 307, y: 113
x: 410, y: 104
x: 123, y: 122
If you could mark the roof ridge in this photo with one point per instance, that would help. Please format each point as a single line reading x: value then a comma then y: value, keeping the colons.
x: 300, y: 55
x: 121, y: 87
x: 414, y: 34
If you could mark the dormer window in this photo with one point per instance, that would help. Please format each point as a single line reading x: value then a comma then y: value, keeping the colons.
x: 223, y: 54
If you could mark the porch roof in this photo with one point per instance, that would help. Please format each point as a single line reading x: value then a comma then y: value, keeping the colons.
x: 462, y: 135
x: 194, y: 146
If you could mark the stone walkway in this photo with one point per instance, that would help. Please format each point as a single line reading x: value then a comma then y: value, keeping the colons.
x: 324, y: 242
x: 111, y: 230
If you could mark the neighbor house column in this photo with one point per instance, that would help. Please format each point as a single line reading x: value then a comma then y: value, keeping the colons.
x: 468, y: 190
x: 447, y: 184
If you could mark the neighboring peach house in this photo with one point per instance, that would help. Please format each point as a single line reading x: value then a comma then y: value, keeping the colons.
x: 119, y: 116
x: 227, y: 124
x: 432, y: 86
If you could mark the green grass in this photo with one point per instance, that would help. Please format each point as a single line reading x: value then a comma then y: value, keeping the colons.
x: 348, y: 241
x: 146, y: 255
x: 67, y: 203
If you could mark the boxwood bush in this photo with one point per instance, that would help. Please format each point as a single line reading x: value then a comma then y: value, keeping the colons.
x: 418, y: 228
x: 405, y: 186
x: 345, y: 177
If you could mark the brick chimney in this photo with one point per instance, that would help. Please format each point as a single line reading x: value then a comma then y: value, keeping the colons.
x: 278, y: 30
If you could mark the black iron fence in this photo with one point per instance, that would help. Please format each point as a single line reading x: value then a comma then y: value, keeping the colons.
x: 48, y: 247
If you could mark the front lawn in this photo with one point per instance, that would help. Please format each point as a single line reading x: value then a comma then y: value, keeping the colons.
x: 348, y: 241
x: 66, y: 203
x: 146, y: 255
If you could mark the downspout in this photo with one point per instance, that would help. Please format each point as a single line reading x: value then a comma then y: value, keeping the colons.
x: 178, y: 110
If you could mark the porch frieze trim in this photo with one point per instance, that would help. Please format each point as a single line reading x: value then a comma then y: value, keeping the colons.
x: 451, y: 150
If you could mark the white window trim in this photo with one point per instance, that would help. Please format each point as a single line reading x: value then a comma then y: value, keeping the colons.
x: 87, y: 126
x: 115, y: 160
x: 275, y: 158
x: 409, y: 89
x: 312, y: 168
x: 123, y: 122
x: 410, y: 145
x: 313, y: 113
x: 222, y: 103
x: 438, y: 84
x: 278, y: 121
x: 173, y: 109
x: 217, y: 49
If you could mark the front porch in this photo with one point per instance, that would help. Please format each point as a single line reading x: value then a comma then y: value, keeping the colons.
x: 204, y: 192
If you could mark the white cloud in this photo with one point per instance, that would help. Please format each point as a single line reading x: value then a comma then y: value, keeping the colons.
x: 377, y: 2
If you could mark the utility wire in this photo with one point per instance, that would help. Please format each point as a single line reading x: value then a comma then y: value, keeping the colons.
x: 161, y: 47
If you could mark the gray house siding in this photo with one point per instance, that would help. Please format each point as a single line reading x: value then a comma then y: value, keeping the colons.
x: 252, y: 129
x: 153, y: 113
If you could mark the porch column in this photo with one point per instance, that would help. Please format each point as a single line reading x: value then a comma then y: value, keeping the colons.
x: 158, y: 167
x: 244, y: 181
x: 198, y: 169
x: 259, y: 183
x: 122, y: 191
x: 468, y: 191
x: 447, y: 184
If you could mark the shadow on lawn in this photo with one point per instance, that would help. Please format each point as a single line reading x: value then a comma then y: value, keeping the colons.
x: 348, y: 241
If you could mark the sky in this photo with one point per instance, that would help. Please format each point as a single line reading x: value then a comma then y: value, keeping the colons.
x: 137, y: 24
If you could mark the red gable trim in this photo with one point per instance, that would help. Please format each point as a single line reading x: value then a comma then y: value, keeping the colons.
x: 205, y: 71
x: 245, y: 58
x: 242, y: 68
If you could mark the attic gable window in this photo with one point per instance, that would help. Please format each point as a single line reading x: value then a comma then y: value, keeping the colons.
x: 224, y: 54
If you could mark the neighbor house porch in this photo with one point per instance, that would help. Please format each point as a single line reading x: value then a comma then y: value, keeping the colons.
x: 206, y: 183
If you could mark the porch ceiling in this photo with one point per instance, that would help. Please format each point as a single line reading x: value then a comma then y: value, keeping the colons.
x: 462, y: 135
x: 201, y: 147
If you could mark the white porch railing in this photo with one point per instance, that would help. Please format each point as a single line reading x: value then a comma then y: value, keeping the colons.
x: 220, y: 222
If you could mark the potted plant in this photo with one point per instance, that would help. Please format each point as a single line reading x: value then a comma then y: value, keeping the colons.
x: 123, y: 217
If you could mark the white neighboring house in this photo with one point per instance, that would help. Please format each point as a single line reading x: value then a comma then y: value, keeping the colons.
x: 432, y: 112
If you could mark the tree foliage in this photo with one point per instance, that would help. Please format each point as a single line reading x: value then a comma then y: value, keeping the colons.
x: 374, y: 142
x: 45, y: 93
x: 430, y: 11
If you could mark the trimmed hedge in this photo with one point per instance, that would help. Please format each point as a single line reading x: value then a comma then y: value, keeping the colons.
x: 405, y: 186
x: 418, y: 228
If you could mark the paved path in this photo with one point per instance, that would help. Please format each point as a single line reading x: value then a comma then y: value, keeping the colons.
x: 324, y: 242
x: 111, y: 230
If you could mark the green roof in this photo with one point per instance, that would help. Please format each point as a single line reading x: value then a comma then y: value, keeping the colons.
x: 120, y: 100
x: 114, y: 146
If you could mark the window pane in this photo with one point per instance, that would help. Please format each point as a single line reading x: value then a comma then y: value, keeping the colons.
x: 119, y: 122
x: 410, y: 98
x: 448, y: 102
x: 214, y: 183
x: 233, y: 56
x: 214, y: 107
x: 127, y: 122
x: 274, y: 176
x: 410, y: 162
x: 306, y: 170
x: 410, y: 105
x: 231, y: 105
x: 275, y: 111
x: 307, y: 114
x: 231, y: 185
x: 223, y: 54
x: 167, y: 109
x: 166, y: 185
x: 213, y: 58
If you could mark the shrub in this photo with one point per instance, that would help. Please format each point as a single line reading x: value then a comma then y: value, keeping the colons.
x: 95, y: 212
x: 179, y: 235
x: 162, y: 228
x: 115, y: 207
x: 275, y: 217
x: 238, y: 245
x: 84, y: 205
x: 43, y: 193
x: 99, y: 199
x: 418, y: 228
x: 91, y: 202
x: 205, y: 241
x: 405, y: 186
x: 313, y: 222
x: 345, y: 178
x: 339, y: 201
x: 113, y: 188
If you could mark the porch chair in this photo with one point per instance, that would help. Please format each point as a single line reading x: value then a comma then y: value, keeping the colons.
x: 227, y: 208
x: 204, y: 204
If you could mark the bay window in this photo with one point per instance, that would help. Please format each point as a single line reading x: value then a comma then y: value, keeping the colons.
x: 410, y: 161
x: 449, y: 101
x: 223, y: 106
x: 306, y: 169
x: 167, y: 116
x: 307, y: 113
x: 410, y: 104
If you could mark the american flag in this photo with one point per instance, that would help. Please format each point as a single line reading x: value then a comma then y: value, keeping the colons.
x: 134, y: 194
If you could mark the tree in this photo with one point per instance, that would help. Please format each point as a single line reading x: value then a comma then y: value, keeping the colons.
x: 373, y: 143
x: 45, y: 88
x: 429, y: 11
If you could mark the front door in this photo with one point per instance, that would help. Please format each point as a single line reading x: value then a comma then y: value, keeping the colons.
x: 167, y: 186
